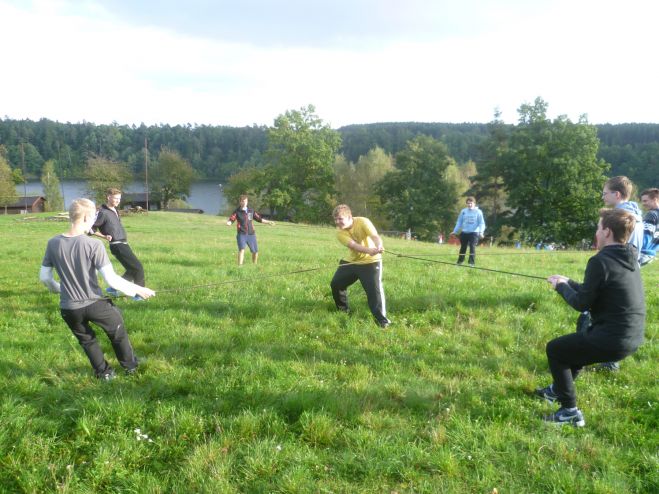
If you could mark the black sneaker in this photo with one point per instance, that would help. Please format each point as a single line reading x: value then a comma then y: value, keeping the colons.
x: 384, y: 324
x: 562, y: 416
x: 547, y: 393
x: 108, y: 376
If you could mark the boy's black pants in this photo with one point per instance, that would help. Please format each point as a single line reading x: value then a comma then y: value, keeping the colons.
x: 107, y: 316
x: 370, y: 276
x: 567, y: 355
x: 134, y: 270
x: 471, y: 240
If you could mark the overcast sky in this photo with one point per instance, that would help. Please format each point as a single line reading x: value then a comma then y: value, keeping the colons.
x: 243, y: 62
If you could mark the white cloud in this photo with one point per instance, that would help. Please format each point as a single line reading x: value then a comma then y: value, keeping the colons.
x: 74, y: 62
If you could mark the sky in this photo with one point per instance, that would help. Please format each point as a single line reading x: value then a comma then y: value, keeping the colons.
x: 244, y: 62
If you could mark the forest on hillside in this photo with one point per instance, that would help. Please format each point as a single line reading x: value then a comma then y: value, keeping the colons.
x: 220, y: 151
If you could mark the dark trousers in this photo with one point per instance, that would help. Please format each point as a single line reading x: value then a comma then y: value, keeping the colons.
x: 567, y: 355
x: 471, y: 240
x: 132, y: 265
x: 104, y: 314
x: 370, y: 276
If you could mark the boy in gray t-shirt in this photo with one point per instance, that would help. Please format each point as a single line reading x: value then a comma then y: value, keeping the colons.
x: 77, y: 258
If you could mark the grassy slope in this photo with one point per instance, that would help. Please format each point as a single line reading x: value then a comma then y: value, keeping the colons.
x: 255, y: 384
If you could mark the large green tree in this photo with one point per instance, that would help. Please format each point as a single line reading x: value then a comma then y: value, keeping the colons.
x: 356, y: 183
x: 488, y: 183
x: 299, y: 179
x: 51, y: 187
x: 418, y: 195
x: 172, y: 177
x: 552, y: 176
x: 102, y: 174
x: 7, y: 187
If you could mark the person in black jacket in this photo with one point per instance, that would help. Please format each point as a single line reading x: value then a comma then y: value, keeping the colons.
x: 246, y: 236
x: 613, y: 293
x: 108, y: 226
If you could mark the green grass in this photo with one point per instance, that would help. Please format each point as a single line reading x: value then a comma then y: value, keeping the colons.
x: 254, y: 383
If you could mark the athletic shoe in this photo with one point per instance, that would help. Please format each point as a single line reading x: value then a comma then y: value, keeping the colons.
x: 384, y: 324
x: 137, y: 298
x: 112, y: 292
x: 107, y: 376
x: 609, y: 367
x: 645, y: 259
x: 547, y: 393
x: 562, y: 416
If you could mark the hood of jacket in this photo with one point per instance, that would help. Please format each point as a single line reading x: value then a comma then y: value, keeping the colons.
x: 621, y: 254
x: 633, y: 208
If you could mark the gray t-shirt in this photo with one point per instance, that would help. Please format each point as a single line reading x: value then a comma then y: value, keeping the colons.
x: 76, y: 260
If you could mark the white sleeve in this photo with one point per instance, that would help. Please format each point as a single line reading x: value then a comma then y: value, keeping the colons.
x: 46, y: 277
x: 117, y: 282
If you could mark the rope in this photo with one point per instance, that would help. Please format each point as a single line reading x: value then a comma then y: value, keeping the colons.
x: 462, y: 266
x: 242, y: 280
x: 486, y: 254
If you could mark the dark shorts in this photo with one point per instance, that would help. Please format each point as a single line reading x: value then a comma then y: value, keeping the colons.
x: 244, y: 240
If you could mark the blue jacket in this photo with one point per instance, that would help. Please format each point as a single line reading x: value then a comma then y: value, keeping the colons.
x: 636, y: 238
x: 470, y: 221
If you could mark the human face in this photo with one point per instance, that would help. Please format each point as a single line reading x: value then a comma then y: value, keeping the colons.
x: 602, y: 235
x: 114, y: 200
x: 343, y: 221
x: 243, y: 202
x: 649, y: 203
x: 471, y: 204
x: 610, y: 198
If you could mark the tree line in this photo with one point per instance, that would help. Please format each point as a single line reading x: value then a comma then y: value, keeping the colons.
x: 220, y: 151
x: 536, y: 180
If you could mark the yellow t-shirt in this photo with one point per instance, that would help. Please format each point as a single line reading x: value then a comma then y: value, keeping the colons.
x: 360, y: 231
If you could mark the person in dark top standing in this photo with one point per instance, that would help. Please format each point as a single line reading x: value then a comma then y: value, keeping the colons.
x: 108, y: 226
x: 246, y: 236
x: 78, y: 259
x: 650, y: 201
x: 613, y: 293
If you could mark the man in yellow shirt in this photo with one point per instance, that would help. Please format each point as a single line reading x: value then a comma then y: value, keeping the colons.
x: 364, y: 263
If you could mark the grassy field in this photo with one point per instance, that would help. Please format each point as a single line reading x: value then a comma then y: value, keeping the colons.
x: 254, y: 383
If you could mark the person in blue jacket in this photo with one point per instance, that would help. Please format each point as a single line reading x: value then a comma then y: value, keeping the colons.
x: 471, y: 226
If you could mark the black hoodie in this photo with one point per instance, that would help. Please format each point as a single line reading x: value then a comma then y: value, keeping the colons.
x: 613, y: 293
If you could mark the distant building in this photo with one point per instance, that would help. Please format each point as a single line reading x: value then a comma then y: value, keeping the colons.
x: 25, y: 205
x: 138, y: 199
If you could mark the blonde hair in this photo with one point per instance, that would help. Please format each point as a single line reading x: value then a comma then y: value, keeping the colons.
x: 80, y: 207
x: 112, y: 191
x: 341, y: 209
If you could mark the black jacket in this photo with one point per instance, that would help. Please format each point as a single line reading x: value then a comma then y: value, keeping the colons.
x: 613, y: 293
x: 108, y: 223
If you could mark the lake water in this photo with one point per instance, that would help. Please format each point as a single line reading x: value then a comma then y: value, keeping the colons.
x: 206, y: 194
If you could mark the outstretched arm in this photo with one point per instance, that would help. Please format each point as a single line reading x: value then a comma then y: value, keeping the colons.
x: 125, y: 286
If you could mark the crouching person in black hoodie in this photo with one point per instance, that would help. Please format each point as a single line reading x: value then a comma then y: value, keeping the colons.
x: 613, y: 293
